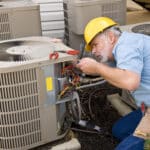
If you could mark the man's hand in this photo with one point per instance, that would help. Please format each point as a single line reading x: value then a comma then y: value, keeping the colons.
x: 88, y: 66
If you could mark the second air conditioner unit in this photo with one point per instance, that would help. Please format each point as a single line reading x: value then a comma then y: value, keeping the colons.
x: 78, y: 13
x: 19, y: 19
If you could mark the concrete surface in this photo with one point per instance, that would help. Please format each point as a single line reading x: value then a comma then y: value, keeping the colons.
x: 136, y: 14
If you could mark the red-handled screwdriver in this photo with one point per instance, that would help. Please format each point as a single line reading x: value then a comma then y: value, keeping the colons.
x: 143, y: 108
x: 70, y: 52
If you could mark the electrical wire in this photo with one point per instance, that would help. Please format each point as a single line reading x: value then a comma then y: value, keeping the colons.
x: 75, y: 97
x: 89, y: 102
x: 91, y: 84
x: 103, y: 132
x: 84, y: 130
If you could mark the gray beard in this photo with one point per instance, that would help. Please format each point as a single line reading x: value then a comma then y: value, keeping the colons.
x: 99, y: 59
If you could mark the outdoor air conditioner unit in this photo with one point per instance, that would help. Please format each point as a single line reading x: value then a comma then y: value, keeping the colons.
x: 143, y: 28
x: 19, y: 19
x: 30, y: 112
x: 78, y: 13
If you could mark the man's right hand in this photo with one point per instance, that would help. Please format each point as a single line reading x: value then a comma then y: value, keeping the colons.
x: 88, y: 65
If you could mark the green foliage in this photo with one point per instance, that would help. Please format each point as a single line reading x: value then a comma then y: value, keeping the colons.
x: 147, y: 144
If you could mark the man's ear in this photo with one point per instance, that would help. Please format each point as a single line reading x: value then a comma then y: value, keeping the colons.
x: 112, y: 37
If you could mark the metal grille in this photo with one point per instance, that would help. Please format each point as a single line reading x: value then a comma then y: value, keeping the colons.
x: 143, y: 28
x: 65, y: 6
x: 19, y: 109
x: 112, y: 10
x: 5, y: 31
x: 66, y: 18
x: 19, y: 141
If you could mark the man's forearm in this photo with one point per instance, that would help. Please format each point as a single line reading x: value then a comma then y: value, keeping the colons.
x: 119, y: 77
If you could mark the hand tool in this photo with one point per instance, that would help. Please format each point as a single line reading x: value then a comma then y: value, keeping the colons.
x: 55, y: 54
x: 70, y: 52
x: 143, y: 108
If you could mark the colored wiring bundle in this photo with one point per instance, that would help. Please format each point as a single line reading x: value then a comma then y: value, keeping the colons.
x: 73, y: 80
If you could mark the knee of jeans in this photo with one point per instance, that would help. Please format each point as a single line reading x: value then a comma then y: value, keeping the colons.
x: 118, y: 133
x: 131, y: 143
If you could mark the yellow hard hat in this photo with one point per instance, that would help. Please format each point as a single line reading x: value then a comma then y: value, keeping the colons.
x: 96, y: 26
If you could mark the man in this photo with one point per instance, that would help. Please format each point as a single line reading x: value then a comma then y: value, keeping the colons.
x: 131, y: 54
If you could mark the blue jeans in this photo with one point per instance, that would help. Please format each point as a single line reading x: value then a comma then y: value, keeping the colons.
x: 123, y: 130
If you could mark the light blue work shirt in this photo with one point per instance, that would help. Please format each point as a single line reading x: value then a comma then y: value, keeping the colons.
x: 132, y: 52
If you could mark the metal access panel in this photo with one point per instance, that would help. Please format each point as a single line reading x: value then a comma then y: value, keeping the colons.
x: 30, y: 112
x: 19, y: 19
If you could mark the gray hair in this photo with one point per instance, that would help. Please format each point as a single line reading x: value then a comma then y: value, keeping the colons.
x: 115, y: 29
